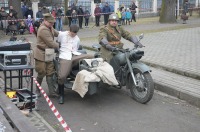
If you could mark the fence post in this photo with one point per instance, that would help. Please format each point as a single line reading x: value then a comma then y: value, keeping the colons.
x: 155, y: 6
x: 116, y: 5
x: 92, y: 10
x: 35, y: 7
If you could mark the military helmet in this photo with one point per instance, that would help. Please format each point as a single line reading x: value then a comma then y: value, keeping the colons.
x: 113, y: 17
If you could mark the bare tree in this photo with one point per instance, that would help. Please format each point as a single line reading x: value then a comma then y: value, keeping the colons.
x: 167, y: 14
x: 66, y: 8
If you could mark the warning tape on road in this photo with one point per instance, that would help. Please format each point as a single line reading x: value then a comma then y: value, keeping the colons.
x: 53, y: 108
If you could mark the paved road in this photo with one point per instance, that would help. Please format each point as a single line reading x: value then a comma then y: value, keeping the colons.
x: 115, y: 111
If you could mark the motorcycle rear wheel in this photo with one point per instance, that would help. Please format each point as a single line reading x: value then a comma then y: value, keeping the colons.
x: 145, y: 90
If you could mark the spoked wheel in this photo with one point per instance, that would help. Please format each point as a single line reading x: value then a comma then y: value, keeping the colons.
x: 145, y: 89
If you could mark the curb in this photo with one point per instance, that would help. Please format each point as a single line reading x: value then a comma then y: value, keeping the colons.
x: 179, y: 72
x: 192, y: 99
x: 44, y: 121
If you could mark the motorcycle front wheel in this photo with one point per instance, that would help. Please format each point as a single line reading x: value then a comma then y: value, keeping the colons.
x: 145, y: 89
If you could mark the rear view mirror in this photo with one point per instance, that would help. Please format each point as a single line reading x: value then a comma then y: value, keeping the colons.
x: 141, y: 36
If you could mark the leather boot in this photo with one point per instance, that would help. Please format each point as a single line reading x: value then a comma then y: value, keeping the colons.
x: 37, y: 91
x: 61, y: 92
x: 51, y: 86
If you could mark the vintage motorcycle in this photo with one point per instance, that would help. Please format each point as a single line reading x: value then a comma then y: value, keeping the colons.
x: 129, y: 72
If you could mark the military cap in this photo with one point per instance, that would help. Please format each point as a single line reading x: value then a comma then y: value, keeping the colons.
x: 48, y: 17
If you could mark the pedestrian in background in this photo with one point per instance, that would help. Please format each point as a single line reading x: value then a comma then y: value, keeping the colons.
x: 133, y: 11
x: 74, y: 17
x: 68, y: 14
x: 45, y: 10
x: 86, y: 16
x: 59, y: 15
x: 106, y: 11
x: 128, y: 16
x: 123, y: 16
x: 119, y: 14
x: 29, y: 12
x: 24, y: 9
x: 97, y: 14
x: 12, y: 24
x: 39, y: 14
x: 14, y: 13
x: 184, y: 15
x: 29, y: 23
x: 80, y: 16
x: 53, y: 13
x: 3, y: 17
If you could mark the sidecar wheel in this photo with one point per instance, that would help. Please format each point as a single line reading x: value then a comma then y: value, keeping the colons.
x: 144, y: 92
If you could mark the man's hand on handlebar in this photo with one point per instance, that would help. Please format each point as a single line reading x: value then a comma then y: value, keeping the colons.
x: 136, y: 42
x: 111, y: 48
x: 139, y: 45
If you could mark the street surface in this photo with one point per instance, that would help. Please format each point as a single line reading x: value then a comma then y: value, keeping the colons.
x: 115, y: 111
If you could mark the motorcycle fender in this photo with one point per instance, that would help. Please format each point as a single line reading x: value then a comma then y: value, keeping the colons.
x: 141, y: 66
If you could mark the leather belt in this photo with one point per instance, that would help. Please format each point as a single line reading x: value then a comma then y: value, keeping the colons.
x: 114, y: 42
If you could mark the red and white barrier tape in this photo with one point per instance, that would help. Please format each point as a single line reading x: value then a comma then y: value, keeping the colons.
x: 141, y: 9
x: 53, y: 108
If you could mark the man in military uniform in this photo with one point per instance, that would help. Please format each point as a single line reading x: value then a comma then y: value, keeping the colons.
x: 45, y: 40
x: 110, y: 36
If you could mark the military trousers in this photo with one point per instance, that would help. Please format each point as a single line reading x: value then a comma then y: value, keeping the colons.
x: 66, y: 66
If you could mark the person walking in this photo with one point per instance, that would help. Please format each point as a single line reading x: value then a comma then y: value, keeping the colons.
x: 97, y: 14
x: 45, y: 42
x: 80, y: 16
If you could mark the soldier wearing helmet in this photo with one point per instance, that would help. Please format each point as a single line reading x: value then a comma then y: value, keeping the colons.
x: 110, y: 37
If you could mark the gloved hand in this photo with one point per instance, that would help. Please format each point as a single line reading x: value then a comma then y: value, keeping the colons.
x: 104, y: 42
x: 135, y: 41
x: 111, y: 48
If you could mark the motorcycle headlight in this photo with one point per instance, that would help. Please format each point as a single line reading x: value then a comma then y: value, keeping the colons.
x: 94, y: 63
x: 136, y: 55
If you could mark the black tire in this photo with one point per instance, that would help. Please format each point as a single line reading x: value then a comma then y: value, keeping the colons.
x: 145, y: 91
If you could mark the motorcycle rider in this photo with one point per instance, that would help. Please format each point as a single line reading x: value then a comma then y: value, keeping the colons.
x: 68, y: 56
x: 110, y: 36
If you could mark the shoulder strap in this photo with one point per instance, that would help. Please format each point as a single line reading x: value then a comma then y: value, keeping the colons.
x: 112, y: 33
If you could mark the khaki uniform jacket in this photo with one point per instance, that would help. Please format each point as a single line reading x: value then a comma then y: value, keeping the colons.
x: 113, y: 34
x: 45, y: 39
